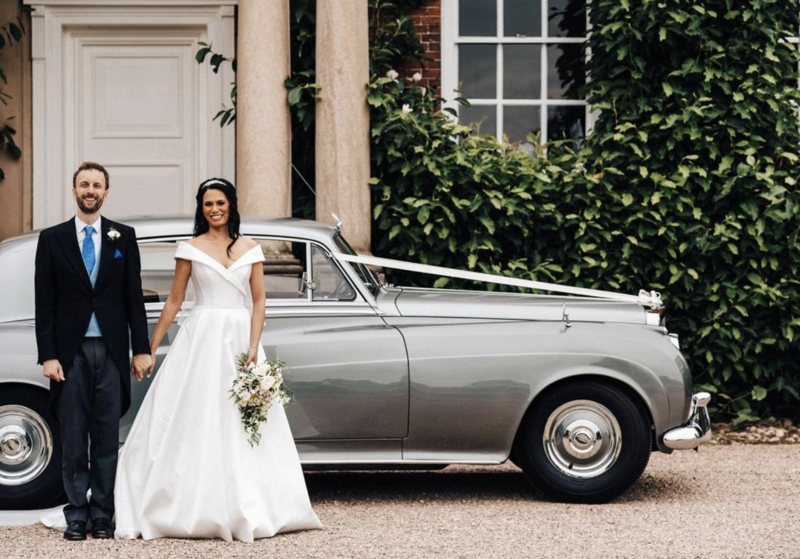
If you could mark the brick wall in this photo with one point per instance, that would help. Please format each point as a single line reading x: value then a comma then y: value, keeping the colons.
x: 428, y: 26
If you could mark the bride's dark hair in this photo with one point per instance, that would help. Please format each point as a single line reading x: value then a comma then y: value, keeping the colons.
x: 201, y: 224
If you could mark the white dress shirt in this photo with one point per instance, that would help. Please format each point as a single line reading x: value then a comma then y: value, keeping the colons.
x: 96, y: 236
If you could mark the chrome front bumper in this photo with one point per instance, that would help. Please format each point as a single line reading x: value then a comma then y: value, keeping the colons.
x: 696, y: 431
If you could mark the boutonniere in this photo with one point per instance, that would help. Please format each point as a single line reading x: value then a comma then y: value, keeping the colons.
x: 113, y: 234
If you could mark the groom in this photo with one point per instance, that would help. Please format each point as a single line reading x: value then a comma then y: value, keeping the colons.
x: 88, y: 295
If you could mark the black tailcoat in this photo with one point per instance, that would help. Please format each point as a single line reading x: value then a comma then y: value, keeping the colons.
x: 65, y: 299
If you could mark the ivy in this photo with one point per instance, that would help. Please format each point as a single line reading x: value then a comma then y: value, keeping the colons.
x: 688, y: 185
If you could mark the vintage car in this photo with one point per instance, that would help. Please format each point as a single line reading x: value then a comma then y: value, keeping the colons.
x: 577, y: 391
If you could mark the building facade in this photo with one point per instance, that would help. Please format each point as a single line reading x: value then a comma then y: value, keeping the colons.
x: 116, y: 81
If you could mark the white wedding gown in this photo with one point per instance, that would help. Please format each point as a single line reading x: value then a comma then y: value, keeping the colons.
x: 186, y: 469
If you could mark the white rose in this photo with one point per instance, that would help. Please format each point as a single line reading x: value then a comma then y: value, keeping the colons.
x: 267, y: 383
x: 245, y: 396
x: 392, y: 75
x: 417, y: 77
x: 407, y: 109
x: 262, y: 369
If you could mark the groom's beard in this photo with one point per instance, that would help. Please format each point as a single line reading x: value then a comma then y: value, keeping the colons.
x: 98, y: 203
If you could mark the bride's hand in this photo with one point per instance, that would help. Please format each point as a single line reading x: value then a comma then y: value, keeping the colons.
x: 252, y: 357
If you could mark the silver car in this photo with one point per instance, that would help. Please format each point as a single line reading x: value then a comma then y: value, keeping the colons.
x: 576, y: 391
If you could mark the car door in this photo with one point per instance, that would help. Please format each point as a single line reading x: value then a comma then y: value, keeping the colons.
x: 347, y: 367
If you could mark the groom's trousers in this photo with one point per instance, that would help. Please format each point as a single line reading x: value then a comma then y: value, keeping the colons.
x: 88, y: 410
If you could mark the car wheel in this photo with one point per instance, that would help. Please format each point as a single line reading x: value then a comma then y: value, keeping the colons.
x: 30, y: 450
x: 571, y: 442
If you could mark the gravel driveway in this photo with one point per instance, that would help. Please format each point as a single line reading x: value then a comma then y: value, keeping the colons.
x: 725, y: 501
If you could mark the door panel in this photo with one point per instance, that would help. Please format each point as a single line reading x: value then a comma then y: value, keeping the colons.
x: 349, y: 374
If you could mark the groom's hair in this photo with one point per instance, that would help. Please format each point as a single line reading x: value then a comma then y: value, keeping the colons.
x: 90, y: 165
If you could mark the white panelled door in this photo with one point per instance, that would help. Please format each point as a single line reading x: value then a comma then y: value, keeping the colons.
x: 136, y: 109
x: 117, y: 83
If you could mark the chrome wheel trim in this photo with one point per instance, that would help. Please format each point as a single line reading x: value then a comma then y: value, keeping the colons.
x: 582, y: 439
x: 26, y: 445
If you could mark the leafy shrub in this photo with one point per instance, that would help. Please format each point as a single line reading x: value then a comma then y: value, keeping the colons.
x: 688, y: 185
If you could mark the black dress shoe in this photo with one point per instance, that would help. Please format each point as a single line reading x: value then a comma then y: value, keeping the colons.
x: 76, y: 531
x: 102, y: 529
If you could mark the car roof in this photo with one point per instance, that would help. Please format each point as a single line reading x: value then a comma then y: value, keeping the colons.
x: 179, y: 226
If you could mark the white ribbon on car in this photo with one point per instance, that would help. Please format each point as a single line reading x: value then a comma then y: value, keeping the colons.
x: 645, y: 298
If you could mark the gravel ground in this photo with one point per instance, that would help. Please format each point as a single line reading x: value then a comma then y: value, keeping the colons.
x: 725, y: 501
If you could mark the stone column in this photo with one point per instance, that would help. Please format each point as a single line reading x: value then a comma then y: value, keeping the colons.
x: 342, y: 118
x: 263, y: 126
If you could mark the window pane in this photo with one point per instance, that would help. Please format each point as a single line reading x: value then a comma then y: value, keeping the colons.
x: 564, y: 123
x: 284, y: 270
x: 477, y: 69
x: 522, y: 18
x: 483, y: 115
x: 522, y: 71
x: 158, y: 269
x: 477, y: 18
x: 566, y: 72
x: 329, y: 283
x: 566, y: 18
x: 363, y: 272
x: 518, y: 122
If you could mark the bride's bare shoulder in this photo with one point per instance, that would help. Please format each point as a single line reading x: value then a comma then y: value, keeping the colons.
x: 247, y: 242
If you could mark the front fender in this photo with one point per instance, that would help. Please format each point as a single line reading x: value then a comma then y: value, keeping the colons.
x: 472, y: 381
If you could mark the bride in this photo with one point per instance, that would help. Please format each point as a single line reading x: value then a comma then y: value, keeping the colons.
x: 187, y: 470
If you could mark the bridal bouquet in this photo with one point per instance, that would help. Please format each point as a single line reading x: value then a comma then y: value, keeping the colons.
x: 255, y: 389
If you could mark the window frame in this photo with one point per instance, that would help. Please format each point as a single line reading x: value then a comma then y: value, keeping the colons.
x: 451, y: 40
x: 360, y: 301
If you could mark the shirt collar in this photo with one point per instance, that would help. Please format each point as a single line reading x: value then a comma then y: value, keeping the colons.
x: 79, y: 225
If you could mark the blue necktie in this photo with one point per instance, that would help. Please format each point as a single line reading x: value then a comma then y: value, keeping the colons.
x: 88, y: 249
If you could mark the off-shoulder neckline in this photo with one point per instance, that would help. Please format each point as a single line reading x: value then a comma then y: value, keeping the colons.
x: 228, y: 268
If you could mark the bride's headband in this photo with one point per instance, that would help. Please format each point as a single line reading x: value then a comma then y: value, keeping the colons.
x: 213, y: 181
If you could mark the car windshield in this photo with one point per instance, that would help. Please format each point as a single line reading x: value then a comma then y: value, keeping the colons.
x: 363, y: 272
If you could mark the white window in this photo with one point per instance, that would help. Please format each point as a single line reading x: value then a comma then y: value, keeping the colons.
x: 521, y: 65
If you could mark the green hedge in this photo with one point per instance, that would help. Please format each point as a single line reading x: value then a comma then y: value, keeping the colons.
x: 687, y: 185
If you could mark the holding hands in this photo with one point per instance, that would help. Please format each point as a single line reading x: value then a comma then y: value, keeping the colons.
x: 141, y: 364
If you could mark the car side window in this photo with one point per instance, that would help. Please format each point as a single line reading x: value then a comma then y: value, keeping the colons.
x: 285, y: 269
x: 329, y: 283
x: 158, y: 269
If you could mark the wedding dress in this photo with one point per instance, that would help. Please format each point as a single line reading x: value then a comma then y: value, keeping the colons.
x: 186, y: 469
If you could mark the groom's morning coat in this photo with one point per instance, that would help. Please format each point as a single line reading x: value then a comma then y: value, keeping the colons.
x: 65, y: 299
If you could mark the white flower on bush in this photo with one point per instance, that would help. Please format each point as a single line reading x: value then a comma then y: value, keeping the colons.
x: 417, y: 77
x: 407, y: 109
x: 423, y: 90
x: 392, y: 75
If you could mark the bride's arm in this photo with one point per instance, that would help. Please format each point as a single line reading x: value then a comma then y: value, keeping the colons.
x: 259, y: 310
x: 183, y: 269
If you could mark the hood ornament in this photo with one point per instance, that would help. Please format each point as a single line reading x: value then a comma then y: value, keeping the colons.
x: 338, y: 221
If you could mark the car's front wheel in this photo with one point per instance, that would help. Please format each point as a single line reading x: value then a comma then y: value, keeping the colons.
x: 584, y: 442
x: 30, y: 450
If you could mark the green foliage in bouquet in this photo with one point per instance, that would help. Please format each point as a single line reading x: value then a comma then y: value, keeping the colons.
x: 255, y: 389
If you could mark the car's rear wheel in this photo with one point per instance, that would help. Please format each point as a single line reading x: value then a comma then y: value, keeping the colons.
x: 30, y: 450
x: 584, y: 442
